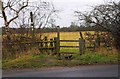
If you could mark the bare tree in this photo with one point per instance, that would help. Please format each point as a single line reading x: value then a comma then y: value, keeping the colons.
x: 11, y: 10
x: 83, y: 18
x: 22, y: 21
x: 43, y: 13
x: 106, y: 16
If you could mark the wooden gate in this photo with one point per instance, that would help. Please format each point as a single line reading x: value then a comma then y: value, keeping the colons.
x: 81, y: 46
x: 81, y: 42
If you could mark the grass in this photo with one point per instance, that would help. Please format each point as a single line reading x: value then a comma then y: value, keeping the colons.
x: 42, y: 60
x: 25, y: 62
x: 97, y: 58
x: 74, y: 50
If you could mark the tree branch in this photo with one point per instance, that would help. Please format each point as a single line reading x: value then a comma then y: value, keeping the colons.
x: 17, y: 12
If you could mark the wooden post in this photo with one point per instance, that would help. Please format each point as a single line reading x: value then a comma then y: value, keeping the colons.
x: 41, y: 43
x: 81, y: 46
x: 46, y: 43
x: 97, y: 41
x: 33, y: 28
x: 58, y: 40
x: 51, y: 45
x: 55, y: 46
x: 81, y: 35
x: 51, y: 42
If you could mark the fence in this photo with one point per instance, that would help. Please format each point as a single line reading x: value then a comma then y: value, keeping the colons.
x: 12, y: 48
x: 52, y: 45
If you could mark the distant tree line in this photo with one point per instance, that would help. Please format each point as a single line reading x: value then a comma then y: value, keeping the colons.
x: 53, y: 29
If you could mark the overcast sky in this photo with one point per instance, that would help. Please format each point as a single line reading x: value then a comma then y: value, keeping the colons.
x: 67, y: 8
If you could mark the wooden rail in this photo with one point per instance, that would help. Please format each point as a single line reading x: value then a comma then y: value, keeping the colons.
x: 69, y: 40
x: 70, y: 52
x: 70, y: 46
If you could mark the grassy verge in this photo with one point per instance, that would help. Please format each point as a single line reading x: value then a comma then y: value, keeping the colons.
x: 42, y: 60
x: 76, y: 50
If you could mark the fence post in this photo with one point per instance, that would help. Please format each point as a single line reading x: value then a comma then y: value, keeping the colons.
x: 58, y: 40
x: 81, y: 46
x: 51, y: 45
x: 81, y: 35
x: 97, y: 41
x: 41, y: 46
x: 55, y: 45
x: 41, y: 43
x: 33, y: 28
x: 46, y: 43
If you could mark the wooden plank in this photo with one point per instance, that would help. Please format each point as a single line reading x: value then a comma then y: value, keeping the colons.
x: 44, y: 41
x: 69, y: 52
x: 25, y: 43
x: 46, y: 47
x: 69, y: 40
x: 70, y: 46
x: 28, y: 42
x: 90, y: 47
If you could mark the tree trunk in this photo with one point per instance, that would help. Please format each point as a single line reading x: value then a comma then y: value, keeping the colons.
x: 7, y: 31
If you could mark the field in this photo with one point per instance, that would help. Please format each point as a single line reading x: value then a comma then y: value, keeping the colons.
x: 67, y: 35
